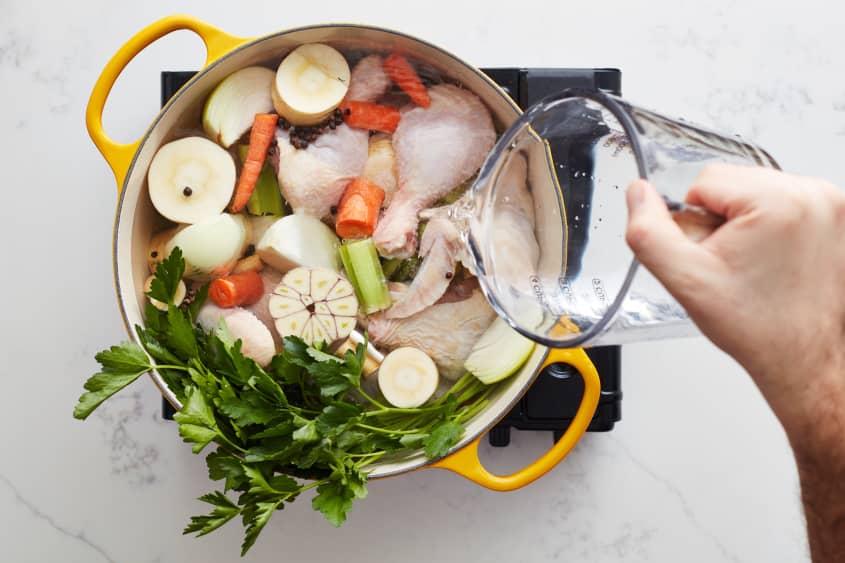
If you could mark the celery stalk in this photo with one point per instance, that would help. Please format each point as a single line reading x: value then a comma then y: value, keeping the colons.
x: 266, y: 199
x: 363, y: 269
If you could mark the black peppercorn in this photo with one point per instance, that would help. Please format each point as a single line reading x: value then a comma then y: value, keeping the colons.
x: 187, y: 191
x: 449, y: 275
x: 154, y: 254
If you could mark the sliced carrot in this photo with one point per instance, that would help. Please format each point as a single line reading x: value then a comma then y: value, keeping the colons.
x: 358, y: 210
x: 372, y: 116
x: 403, y: 74
x: 235, y: 290
x: 262, y: 134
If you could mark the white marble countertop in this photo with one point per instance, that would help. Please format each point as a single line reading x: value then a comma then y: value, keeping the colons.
x: 698, y: 469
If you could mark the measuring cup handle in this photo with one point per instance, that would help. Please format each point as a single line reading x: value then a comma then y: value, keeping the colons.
x: 465, y: 461
x: 119, y: 155
x: 696, y: 222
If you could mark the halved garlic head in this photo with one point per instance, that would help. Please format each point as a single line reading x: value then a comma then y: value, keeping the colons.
x: 315, y: 304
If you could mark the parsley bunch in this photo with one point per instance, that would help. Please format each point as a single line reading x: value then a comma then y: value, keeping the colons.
x: 303, y: 423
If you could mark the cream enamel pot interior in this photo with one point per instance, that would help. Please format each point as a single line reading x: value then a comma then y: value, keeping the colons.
x: 136, y: 219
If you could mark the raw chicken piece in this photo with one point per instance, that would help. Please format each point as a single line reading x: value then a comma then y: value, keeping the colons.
x: 313, y: 179
x: 256, y: 339
x: 437, y: 148
x: 381, y: 166
x: 445, y: 331
x: 439, y: 249
x: 368, y: 81
x: 261, y: 308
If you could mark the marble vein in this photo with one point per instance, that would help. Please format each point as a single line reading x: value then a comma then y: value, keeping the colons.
x: 40, y: 515
x: 679, y: 496
x: 128, y: 456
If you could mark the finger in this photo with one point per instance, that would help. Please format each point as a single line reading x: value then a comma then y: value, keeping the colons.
x: 730, y: 191
x: 659, y: 243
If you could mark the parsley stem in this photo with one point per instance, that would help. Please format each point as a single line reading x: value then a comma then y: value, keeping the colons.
x: 378, y: 404
x: 166, y: 366
x: 394, y: 410
x: 369, y: 459
x: 384, y: 430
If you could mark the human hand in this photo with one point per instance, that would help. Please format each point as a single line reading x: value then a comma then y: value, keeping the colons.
x: 768, y: 286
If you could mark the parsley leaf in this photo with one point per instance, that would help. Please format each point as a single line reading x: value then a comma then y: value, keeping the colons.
x: 336, y: 418
x: 224, y: 466
x: 168, y: 274
x: 121, y: 365
x: 255, y: 519
x: 444, y: 435
x: 180, y: 335
x: 196, y: 421
x: 248, y: 409
x: 224, y: 510
x: 334, y: 499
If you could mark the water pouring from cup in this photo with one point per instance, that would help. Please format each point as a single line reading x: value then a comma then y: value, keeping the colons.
x: 545, y: 221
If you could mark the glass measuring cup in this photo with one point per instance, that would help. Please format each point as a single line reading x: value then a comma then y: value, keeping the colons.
x: 545, y: 221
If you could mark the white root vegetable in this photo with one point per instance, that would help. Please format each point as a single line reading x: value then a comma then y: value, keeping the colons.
x: 299, y: 240
x: 191, y: 179
x: 310, y: 83
x: 407, y: 377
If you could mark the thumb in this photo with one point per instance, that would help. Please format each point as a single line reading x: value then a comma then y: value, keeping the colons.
x: 659, y: 243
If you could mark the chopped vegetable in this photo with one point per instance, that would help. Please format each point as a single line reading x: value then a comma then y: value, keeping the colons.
x: 372, y: 116
x: 212, y: 246
x: 314, y: 304
x: 191, y: 179
x: 262, y: 134
x: 358, y: 210
x: 230, y: 109
x: 235, y: 290
x: 266, y: 198
x: 360, y: 260
x: 499, y: 353
x: 403, y: 74
x: 311, y: 81
x: 407, y: 377
x: 299, y: 240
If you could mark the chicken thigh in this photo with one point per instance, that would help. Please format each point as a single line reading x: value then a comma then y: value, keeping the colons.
x: 437, y: 148
x: 446, y: 331
x: 313, y: 179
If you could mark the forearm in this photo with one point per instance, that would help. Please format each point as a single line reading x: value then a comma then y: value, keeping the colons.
x: 823, y: 494
x: 819, y: 447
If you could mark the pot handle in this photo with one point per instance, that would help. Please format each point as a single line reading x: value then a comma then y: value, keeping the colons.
x: 465, y: 461
x: 119, y: 155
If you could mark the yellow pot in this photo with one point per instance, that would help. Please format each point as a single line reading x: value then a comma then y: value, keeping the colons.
x: 135, y: 218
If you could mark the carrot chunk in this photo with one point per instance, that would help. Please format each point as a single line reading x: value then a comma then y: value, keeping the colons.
x: 403, y: 74
x: 358, y: 210
x: 235, y: 290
